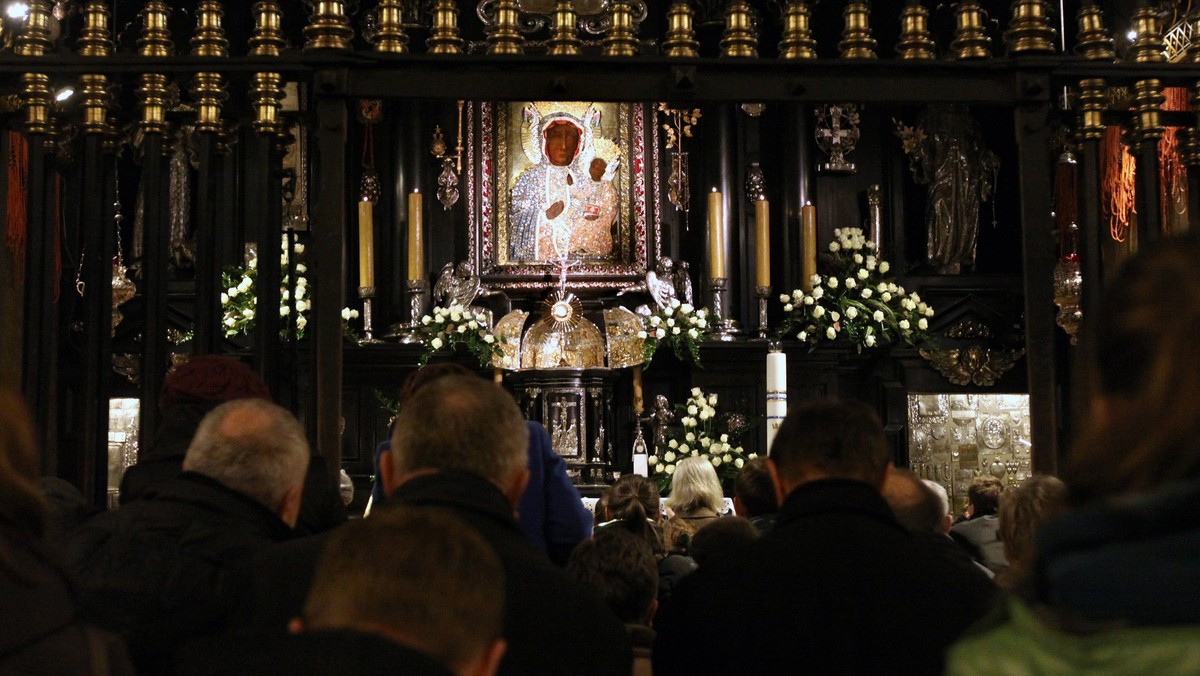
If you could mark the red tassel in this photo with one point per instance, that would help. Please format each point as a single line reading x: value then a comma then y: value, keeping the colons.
x: 18, y: 193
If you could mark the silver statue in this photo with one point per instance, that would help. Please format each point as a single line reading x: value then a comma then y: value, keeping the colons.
x: 664, y: 283
x: 459, y: 285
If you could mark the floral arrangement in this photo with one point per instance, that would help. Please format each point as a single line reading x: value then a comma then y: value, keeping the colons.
x: 449, y: 327
x: 239, y: 302
x: 699, y: 434
x: 854, y: 301
x: 679, y: 325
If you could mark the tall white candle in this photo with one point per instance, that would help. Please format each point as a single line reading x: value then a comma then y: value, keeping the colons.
x: 776, y: 393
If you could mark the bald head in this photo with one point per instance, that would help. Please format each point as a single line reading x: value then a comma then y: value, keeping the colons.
x: 916, y: 507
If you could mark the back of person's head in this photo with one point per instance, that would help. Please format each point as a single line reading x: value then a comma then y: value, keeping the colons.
x: 984, y: 495
x: 1146, y: 362
x: 721, y: 537
x: 417, y: 576
x: 632, y: 502
x: 427, y: 374
x: 833, y: 439
x: 623, y: 571
x: 695, y: 486
x: 255, y: 448
x: 1022, y: 511
x: 208, y: 380
x: 916, y: 507
x: 21, y: 505
x: 753, y: 491
x: 461, y: 424
x: 943, y: 499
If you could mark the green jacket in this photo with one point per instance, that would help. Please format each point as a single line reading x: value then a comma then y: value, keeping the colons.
x: 1021, y: 643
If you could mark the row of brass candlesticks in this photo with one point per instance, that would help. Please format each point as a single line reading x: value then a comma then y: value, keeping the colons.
x: 1029, y: 30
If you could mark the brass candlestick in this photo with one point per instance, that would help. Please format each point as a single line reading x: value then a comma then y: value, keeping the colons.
x: 34, y: 40
x: 1148, y: 97
x: 95, y: 41
x: 621, y: 39
x: 762, y: 293
x: 445, y: 38
x: 154, y: 41
x: 797, y: 41
x: 724, y: 328
x: 504, y: 38
x: 564, y: 38
x: 390, y: 37
x: 208, y: 88
x: 329, y: 27
x: 1147, y: 44
x: 680, y: 41
x: 739, y: 40
x: 1095, y: 43
x: 857, y: 42
x: 266, y: 89
x: 915, y: 42
x: 367, y: 294
x: 1029, y: 32
x: 970, y: 40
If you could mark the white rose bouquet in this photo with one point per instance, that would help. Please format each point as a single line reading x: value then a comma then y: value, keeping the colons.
x: 679, y: 325
x: 449, y: 327
x: 699, y: 434
x: 854, y: 301
x: 239, y: 300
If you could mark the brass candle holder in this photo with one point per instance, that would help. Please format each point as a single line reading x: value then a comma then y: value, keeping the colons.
x: 621, y: 39
x: 724, y: 328
x: 504, y: 36
x: 329, y: 27
x: 1094, y: 42
x: 739, y: 40
x: 444, y: 38
x: 916, y: 43
x: 970, y: 40
x: 390, y: 37
x: 1029, y: 32
x: 564, y: 38
x: 367, y: 294
x: 762, y: 293
x: 857, y: 42
x: 154, y: 41
x: 95, y: 41
x: 208, y: 88
x: 680, y: 41
x: 266, y: 89
x: 797, y: 41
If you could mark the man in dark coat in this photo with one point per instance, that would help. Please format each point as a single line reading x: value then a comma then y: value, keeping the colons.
x: 158, y: 569
x: 460, y: 444
x: 837, y: 587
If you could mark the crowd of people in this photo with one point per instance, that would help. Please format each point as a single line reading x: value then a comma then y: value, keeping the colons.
x: 230, y: 555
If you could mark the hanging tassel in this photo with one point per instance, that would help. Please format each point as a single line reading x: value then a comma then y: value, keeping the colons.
x: 1066, y: 203
x: 1172, y: 183
x: 18, y: 193
x: 1118, y: 183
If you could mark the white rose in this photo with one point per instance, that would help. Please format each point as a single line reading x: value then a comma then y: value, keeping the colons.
x: 692, y: 410
x: 696, y: 391
x: 669, y: 456
x: 850, y: 283
x: 670, y: 469
x: 436, y: 343
x: 884, y: 266
x: 693, y: 334
x: 716, y: 461
x: 224, y: 299
x: 751, y: 456
x: 835, y: 317
x: 462, y: 328
x: 652, y: 460
x: 830, y: 333
x: 300, y: 291
x: 724, y: 438
x: 834, y: 247
x: 817, y: 292
x: 674, y: 302
x: 851, y: 313
x: 301, y: 305
x: 690, y: 437
x: 670, y: 322
x: 654, y: 321
x: 863, y: 274
x: 659, y: 333
x: 784, y: 298
x: 866, y: 293
x: 818, y: 312
x: 232, y: 291
x: 253, y: 263
x: 247, y: 313
x: 885, y: 297
x: 346, y: 313
x: 673, y: 443
x: 284, y: 311
x: 787, y: 307
x: 456, y: 316
x: 858, y: 259
x: 870, y: 340
x: 489, y: 338
x: 921, y: 307
x: 706, y: 442
x: 815, y: 279
x: 244, y: 284
x: 904, y: 325
x: 301, y: 268
x: 230, y: 321
x: 922, y: 324
x: 299, y: 248
x: 803, y: 335
x: 684, y: 448
x: 641, y: 335
x: 808, y: 300
x: 675, y: 331
x: 686, y: 307
x: 727, y: 457
x: 877, y: 316
x: 426, y: 319
x: 833, y: 282
x: 301, y: 322
x: 928, y: 312
x: 738, y: 463
x: 689, y: 422
x: 472, y: 325
x: 712, y: 400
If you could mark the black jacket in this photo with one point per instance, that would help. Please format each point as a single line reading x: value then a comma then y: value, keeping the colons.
x: 40, y: 632
x: 159, y: 569
x: 551, y: 623
x: 321, y: 653
x: 837, y: 587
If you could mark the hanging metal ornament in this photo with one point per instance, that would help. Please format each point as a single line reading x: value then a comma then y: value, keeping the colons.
x: 123, y: 289
x: 837, y: 134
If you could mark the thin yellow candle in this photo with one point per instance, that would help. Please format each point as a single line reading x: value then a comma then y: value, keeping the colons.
x: 808, y: 228
x: 416, y: 239
x: 762, y: 232
x: 638, y: 402
x: 366, y: 244
x: 716, y: 235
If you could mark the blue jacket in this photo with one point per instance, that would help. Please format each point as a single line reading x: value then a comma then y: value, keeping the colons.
x: 551, y: 513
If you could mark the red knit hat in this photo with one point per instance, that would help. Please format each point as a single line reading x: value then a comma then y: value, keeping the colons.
x: 211, y: 378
